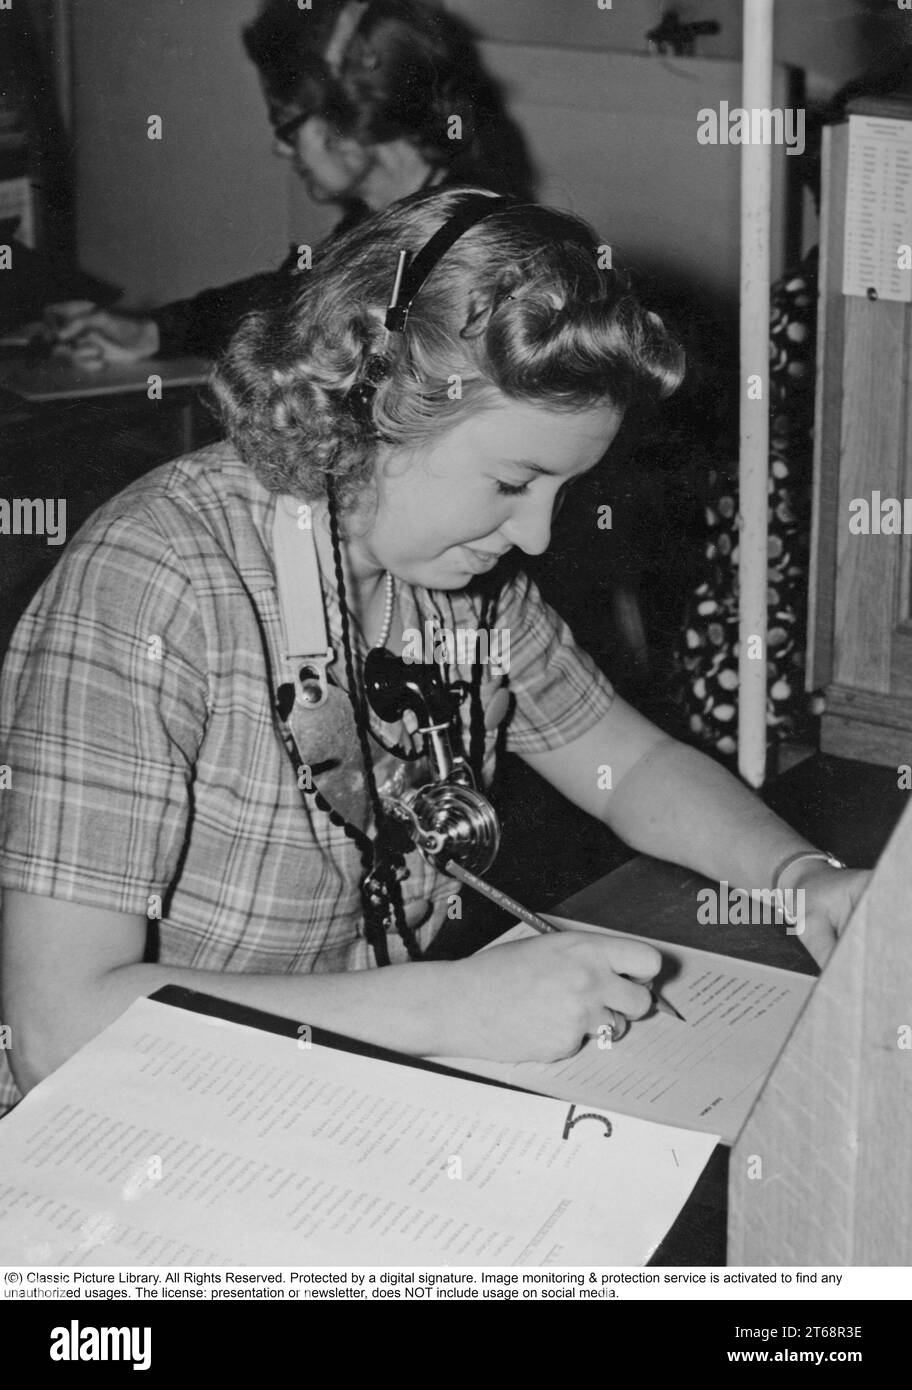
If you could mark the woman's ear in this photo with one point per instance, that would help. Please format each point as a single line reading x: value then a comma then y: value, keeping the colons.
x: 356, y: 158
x: 392, y: 461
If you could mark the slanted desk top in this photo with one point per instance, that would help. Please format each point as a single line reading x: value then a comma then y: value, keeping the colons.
x: 55, y: 379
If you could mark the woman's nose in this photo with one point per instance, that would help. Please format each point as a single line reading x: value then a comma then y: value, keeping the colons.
x: 530, y: 528
x: 283, y: 150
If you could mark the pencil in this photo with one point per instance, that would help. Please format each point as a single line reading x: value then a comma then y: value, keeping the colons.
x: 532, y: 919
x: 503, y: 900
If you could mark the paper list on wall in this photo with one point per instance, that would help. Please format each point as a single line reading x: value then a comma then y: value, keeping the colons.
x: 703, y: 1073
x: 878, y: 218
x: 177, y: 1138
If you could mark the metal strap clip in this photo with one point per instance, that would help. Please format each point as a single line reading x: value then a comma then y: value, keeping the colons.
x: 309, y: 676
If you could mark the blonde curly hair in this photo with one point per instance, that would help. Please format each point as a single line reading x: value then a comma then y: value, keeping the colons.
x: 517, y: 307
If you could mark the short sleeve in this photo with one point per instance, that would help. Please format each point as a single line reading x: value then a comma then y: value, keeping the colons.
x: 102, y: 711
x: 559, y: 691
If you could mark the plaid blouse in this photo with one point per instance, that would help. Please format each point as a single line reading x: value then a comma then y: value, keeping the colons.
x: 148, y: 773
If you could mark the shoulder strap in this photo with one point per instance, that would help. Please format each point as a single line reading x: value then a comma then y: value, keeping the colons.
x: 306, y: 651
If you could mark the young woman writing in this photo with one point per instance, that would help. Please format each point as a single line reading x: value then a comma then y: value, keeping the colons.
x: 178, y: 813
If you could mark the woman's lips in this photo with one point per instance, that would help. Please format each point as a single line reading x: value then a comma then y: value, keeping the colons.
x: 481, y: 559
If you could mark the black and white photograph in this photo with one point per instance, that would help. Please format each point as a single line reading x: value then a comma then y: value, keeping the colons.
x: 456, y: 641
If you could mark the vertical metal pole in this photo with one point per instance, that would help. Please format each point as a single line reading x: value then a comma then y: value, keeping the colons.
x: 756, y: 187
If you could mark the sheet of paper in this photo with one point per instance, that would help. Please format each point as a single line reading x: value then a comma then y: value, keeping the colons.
x: 878, y: 227
x: 176, y: 1138
x: 702, y: 1074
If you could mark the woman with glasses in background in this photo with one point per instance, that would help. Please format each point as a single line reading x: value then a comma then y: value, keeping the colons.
x: 374, y: 100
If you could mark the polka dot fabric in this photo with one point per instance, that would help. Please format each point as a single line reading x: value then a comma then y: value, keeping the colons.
x: 706, y: 659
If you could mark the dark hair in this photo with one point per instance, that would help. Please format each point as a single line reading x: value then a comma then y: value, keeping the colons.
x: 408, y: 71
x: 511, y: 308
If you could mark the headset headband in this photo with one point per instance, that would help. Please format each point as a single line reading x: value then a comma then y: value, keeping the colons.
x: 411, y: 276
x: 475, y: 209
x: 349, y: 18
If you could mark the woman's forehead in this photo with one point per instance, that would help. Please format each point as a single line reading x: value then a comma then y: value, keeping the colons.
x: 539, y: 433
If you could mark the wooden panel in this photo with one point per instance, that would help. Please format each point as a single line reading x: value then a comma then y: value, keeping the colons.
x: 861, y: 585
x: 832, y: 1127
x: 869, y: 727
x: 873, y: 439
x: 901, y: 672
x: 828, y: 412
x: 865, y: 741
x: 894, y: 710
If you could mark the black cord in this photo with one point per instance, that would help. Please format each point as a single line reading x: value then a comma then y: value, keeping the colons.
x: 388, y: 861
x: 477, y: 729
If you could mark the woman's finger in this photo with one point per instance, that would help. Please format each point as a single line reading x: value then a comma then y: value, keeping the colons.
x: 608, y: 1026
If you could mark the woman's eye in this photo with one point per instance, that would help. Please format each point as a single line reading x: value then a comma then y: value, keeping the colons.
x: 512, y: 489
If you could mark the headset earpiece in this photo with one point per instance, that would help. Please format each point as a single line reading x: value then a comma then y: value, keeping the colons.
x: 360, y: 398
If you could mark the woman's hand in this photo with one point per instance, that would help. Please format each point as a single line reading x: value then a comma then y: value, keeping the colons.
x: 536, y: 1000
x: 830, y: 897
x: 92, y: 338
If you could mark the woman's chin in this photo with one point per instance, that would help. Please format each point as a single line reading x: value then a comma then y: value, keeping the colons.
x: 450, y: 576
x: 319, y: 193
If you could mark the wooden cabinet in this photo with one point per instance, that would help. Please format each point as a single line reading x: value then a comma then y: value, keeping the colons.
x: 860, y: 629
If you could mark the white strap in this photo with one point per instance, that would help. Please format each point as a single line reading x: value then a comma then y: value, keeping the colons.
x: 342, y: 34
x: 306, y: 644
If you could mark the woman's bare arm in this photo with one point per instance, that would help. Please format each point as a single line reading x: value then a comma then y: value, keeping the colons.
x: 70, y: 970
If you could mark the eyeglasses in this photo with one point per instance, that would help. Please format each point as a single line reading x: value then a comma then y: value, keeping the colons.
x: 285, y: 131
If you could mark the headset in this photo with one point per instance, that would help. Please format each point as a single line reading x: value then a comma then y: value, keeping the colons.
x: 448, y: 820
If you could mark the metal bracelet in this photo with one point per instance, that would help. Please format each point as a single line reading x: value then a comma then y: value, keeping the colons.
x: 791, y: 859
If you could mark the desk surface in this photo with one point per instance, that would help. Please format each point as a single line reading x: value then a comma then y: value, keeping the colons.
x: 658, y: 901
x: 55, y: 379
x: 651, y: 899
x: 647, y: 897
x: 848, y: 805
